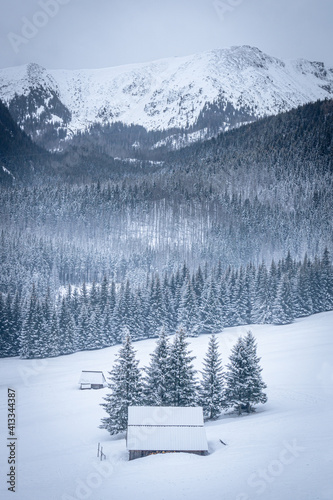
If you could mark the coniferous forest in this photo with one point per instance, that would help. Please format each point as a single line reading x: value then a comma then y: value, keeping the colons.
x: 202, y: 302
x: 232, y: 231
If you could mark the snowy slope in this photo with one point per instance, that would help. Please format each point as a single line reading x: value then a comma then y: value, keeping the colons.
x: 169, y: 92
x: 284, y: 451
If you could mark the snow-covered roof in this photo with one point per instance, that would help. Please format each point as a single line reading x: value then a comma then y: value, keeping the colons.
x: 166, y: 428
x: 165, y: 415
x: 92, y: 377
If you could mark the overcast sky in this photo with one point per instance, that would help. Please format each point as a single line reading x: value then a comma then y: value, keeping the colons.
x: 101, y: 33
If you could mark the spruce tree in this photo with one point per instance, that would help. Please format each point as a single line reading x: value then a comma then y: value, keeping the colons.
x: 141, y: 316
x: 170, y: 320
x: 262, y: 306
x: 123, y: 316
x: 38, y: 333
x: 4, y: 344
x: 126, y: 388
x: 67, y: 330
x: 198, y: 285
x: 255, y: 385
x: 234, y: 293
x: 188, y: 317
x: 250, y: 287
x: 6, y: 327
x: 83, y: 328
x: 211, y: 319
x: 28, y: 334
x: 106, y: 321
x: 53, y: 344
x: 327, y: 281
x: 76, y: 306
x: 304, y: 291
x: 242, y: 301
x: 103, y: 300
x: 156, y: 306
x: 283, y: 308
x: 211, y: 389
x: 17, y: 324
x: 244, y: 386
x: 94, y: 295
x: 316, y: 286
x: 157, y: 373
x: 224, y: 300
x: 181, y: 379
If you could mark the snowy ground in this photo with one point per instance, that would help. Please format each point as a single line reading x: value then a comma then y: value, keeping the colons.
x: 284, y: 451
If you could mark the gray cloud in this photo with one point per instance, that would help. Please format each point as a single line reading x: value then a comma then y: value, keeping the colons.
x: 101, y: 33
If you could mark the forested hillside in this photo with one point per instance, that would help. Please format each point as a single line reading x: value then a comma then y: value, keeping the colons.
x: 20, y: 158
x: 24, y: 163
x: 253, y: 194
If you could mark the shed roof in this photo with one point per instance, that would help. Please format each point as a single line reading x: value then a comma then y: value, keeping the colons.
x: 165, y: 415
x: 166, y: 428
x: 92, y: 377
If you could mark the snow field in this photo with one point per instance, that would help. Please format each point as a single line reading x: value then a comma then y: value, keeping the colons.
x: 284, y: 451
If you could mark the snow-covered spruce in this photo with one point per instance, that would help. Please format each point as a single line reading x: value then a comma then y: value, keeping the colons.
x: 157, y: 374
x: 244, y: 385
x: 182, y: 381
x: 211, y: 392
x: 170, y: 379
x: 126, y: 388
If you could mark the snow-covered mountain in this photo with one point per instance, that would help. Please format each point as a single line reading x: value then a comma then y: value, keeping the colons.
x: 236, y: 85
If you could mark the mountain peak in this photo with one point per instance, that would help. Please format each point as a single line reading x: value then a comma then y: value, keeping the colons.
x: 175, y: 92
x: 35, y: 71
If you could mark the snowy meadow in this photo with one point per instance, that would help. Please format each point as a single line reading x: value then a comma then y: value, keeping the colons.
x: 284, y: 450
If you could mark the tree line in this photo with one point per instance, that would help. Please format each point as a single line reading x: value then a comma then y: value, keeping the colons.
x: 205, y: 301
x: 171, y: 380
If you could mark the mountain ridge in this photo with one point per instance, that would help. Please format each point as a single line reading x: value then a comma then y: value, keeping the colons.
x: 239, y: 85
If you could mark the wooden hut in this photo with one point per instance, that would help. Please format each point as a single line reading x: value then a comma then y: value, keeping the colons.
x: 92, y: 380
x: 161, y: 429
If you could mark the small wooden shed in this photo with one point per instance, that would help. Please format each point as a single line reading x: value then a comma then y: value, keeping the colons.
x: 92, y: 380
x: 165, y: 429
